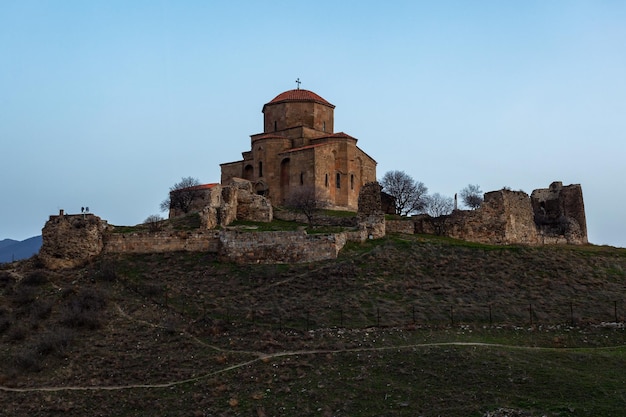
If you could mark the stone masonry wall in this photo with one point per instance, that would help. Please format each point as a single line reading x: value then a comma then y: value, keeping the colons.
x: 278, y: 247
x: 207, y: 241
x: 400, y: 226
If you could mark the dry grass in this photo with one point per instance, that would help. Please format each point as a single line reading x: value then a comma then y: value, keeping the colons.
x: 355, y: 337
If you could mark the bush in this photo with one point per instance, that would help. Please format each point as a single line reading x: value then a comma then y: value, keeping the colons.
x: 5, y: 324
x: 54, y: 342
x: 84, y: 309
x: 107, y: 273
x: 35, y: 278
x: 27, y: 360
x: 23, y: 295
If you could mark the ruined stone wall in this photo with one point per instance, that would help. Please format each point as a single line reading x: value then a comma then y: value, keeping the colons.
x: 560, y: 213
x: 400, y: 226
x: 505, y: 217
x: 71, y: 240
x: 196, y: 241
x: 549, y: 216
x: 278, y: 247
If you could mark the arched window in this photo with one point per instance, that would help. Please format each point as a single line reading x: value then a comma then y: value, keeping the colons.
x: 352, y: 181
x: 338, y: 180
x: 260, y: 169
x: 248, y: 172
x: 326, y: 181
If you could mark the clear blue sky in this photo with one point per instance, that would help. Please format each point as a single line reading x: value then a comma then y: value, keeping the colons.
x: 106, y: 104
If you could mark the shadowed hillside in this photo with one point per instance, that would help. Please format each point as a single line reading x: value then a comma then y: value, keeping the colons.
x: 409, y: 325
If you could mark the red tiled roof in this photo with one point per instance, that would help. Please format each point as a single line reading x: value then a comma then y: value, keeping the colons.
x: 200, y: 187
x: 299, y: 95
x: 340, y: 135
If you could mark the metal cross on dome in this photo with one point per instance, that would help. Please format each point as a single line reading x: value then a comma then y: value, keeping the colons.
x: 298, y: 82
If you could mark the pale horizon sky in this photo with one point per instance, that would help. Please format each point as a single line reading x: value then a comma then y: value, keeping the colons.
x: 107, y: 104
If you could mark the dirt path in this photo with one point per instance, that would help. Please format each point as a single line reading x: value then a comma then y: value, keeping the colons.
x: 261, y: 356
x: 265, y: 357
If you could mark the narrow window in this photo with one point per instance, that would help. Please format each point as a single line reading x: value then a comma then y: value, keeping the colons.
x: 275, y: 126
x: 324, y: 126
x: 338, y: 180
x: 352, y: 181
x: 326, y: 181
x: 260, y: 169
x: 302, y: 178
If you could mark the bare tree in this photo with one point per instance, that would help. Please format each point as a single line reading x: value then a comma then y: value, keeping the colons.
x: 472, y: 196
x: 305, y: 201
x: 181, y: 195
x: 409, y: 195
x: 154, y: 222
x: 439, y: 205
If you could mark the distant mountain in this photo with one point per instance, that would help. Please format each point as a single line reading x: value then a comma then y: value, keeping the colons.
x: 14, y: 250
x: 7, y: 242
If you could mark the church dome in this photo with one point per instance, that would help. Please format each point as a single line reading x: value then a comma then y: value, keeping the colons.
x: 299, y: 95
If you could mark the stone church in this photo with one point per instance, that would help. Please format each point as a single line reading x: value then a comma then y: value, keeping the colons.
x: 299, y: 150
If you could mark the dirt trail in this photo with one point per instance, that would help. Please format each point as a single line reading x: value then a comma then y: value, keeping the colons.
x: 261, y: 356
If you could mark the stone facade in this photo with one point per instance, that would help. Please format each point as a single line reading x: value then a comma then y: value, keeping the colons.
x: 299, y: 148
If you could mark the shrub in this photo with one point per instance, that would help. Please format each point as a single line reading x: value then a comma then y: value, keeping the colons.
x: 5, y: 324
x: 27, y: 360
x: 54, y: 342
x: 84, y: 309
x: 107, y: 272
x: 5, y: 278
x: 35, y: 278
x: 23, y: 295
x: 40, y: 309
x: 17, y: 333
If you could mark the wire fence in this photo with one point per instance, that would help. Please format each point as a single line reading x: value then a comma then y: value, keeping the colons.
x: 306, y: 318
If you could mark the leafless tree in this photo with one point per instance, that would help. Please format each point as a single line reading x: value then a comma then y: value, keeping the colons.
x: 181, y: 195
x: 304, y: 200
x: 154, y: 222
x: 472, y: 196
x: 409, y: 195
x: 439, y: 205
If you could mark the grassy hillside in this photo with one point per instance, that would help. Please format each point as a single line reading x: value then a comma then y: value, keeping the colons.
x: 403, y: 326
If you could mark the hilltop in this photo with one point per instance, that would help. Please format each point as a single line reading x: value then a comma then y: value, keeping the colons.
x: 405, y: 325
x: 14, y: 250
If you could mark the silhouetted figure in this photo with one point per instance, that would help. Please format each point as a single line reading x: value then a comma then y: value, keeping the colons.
x: 82, y: 209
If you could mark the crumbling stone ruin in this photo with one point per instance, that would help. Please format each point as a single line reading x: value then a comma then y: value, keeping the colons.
x: 220, y: 205
x: 555, y: 215
x: 71, y: 240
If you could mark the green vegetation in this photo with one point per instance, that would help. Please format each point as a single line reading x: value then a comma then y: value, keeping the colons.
x: 401, y: 326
